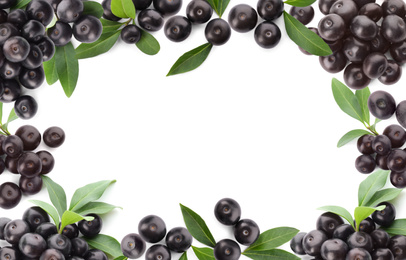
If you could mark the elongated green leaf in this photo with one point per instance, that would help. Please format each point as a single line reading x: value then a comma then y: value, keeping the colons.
x: 342, y: 212
x: 373, y: 126
x: 1, y: 113
x: 107, y: 244
x: 123, y: 8
x: 304, y: 37
x: 92, y: 8
x: 398, y: 227
x: 56, y: 194
x: 109, y: 26
x: 197, y: 227
x: 362, y: 96
x: 148, y: 44
x: 383, y: 195
x: 52, y: 212
x: 121, y: 257
x: 70, y: 217
x: 274, y: 254
x: 20, y: 4
x: 371, y: 185
x: 51, y: 75
x: 96, y: 207
x: 88, y: 193
x: 67, y: 66
x: 203, y: 253
x: 102, y: 45
x: 346, y: 100
x: 183, y: 256
x: 191, y: 59
x: 219, y: 6
x: 11, y: 117
x: 362, y: 212
x: 351, y: 135
x: 300, y: 3
x: 272, y: 238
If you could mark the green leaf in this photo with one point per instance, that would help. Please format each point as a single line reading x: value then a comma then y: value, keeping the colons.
x: 67, y: 66
x: 107, y: 244
x: 51, y: 74
x: 123, y: 8
x: 342, y: 212
x: 299, y: 3
x: 56, y: 194
x: 1, y: 113
x: 304, y: 37
x: 197, y: 227
x: 52, y: 212
x: 203, y: 253
x: 274, y: 254
x: 398, y: 227
x: 88, y: 193
x: 102, y: 45
x: 183, y: 256
x: 109, y: 26
x: 219, y: 6
x: 346, y: 100
x: 191, y: 59
x: 383, y: 195
x: 96, y: 208
x: 362, y: 96
x: 148, y: 44
x: 370, y: 186
x: 272, y: 238
x: 121, y: 257
x: 351, y: 135
x: 373, y: 127
x: 11, y: 117
x: 92, y: 8
x: 20, y: 4
x: 362, y: 212
x: 70, y: 217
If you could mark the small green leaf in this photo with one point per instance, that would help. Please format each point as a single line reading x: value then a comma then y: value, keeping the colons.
x: 51, y: 74
x: 373, y: 127
x: 109, y: 26
x: 362, y: 96
x: 107, y: 244
x: 342, y: 212
x: 272, y: 238
x: 203, y: 253
x: 52, y: 212
x: 383, y: 195
x: 346, y: 100
x: 183, y: 256
x: 370, y: 186
x: 96, y: 208
x: 11, y: 117
x: 148, y: 44
x: 191, y: 59
x: 1, y: 113
x: 67, y: 66
x: 219, y: 6
x: 56, y: 194
x: 88, y: 193
x: 121, y: 257
x: 92, y: 8
x: 362, y: 212
x: 304, y: 37
x: 299, y: 3
x: 102, y: 45
x: 197, y: 227
x: 351, y: 135
x: 274, y: 254
x: 20, y: 4
x: 70, y: 217
x: 398, y: 227
x: 123, y: 8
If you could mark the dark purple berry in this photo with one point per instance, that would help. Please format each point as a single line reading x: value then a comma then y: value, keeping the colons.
x: 133, y: 246
x: 381, y: 104
x: 178, y: 239
x: 246, y: 231
x: 227, y: 249
x: 227, y: 211
x: 54, y: 136
x: 152, y: 228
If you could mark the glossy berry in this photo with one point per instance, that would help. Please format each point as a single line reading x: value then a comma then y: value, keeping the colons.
x: 386, y: 216
x: 13, y: 146
x: 47, y: 161
x: 397, y: 244
x: 95, y: 254
x: 12, y: 90
x: 380, y: 238
x: 69, y: 11
x: 227, y: 211
x: 30, y: 186
x: 130, y: 34
x: 331, y: 27
x: 46, y: 229
x: 328, y: 222
x: 355, y: 77
x: 32, y: 245
x: 11, y: 164
x: 363, y: 28
x: 242, y: 18
x: 398, y: 52
x: 79, y: 247
x: 177, y: 28
x: 14, y: 230
x: 158, y: 251
x: 395, y: 7
x: 374, y: 65
x: 7, y: 30
x: 152, y: 228
x: 29, y: 165
x: 167, y: 7
x: 217, y: 31
x: 150, y: 20
x: 61, y: 243
x: 32, y: 78
x: 227, y: 249
x: 133, y: 246
x: 54, y: 136
x: 107, y: 13
x: 17, y: 17
x: 52, y: 254
x: 41, y: 11
x: 71, y: 231
x: 30, y: 136
x: 25, y: 107
x: 303, y: 14
x: 141, y: 4
x: 3, y: 223
x: 333, y: 249
x: 16, y: 49
x: 398, y: 179
x: 393, y: 28
x: 313, y: 241
x: 178, y: 239
x: 333, y: 63
x: 296, y: 243
x: 358, y: 254
x: 343, y: 231
x: 33, y: 30
x: 47, y: 47
x: 382, y: 253
x: 381, y: 104
x: 401, y: 113
x: 381, y: 161
x: 355, y: 50
x: 10, y: 253
x: 396, y: 160
x: 246, y: 231
x: 90, y: 228
x: 372, y: 10
x: 347, y: 9
x: 367, y: 225
x: 199, y: 11
x: 35, y: 216
x: 270, y: 9
x: 360, y: 240
x: 10, y: 195
x: 364, y: 144
x: 267, y: 35
x: 381, y: 145
x: 60, y: 33
x: 87, y: 29
x: 392, y: 73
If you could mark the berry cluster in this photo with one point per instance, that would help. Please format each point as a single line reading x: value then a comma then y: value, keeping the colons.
x: 246, y: 231
x: 152, y: 229
x: 361, y: 33
x: 34, y: 237
x: 334, y: 240
x: 20, y: 158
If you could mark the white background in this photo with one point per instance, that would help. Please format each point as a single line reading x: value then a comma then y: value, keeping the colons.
x: 260, y: 126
